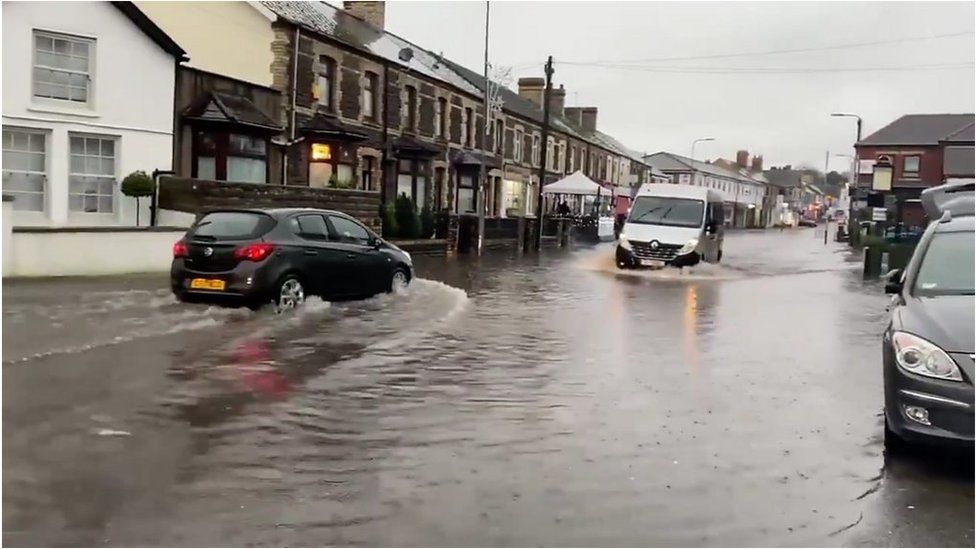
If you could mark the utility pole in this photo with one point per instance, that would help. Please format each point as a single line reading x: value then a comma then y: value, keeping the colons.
x: 483, y: 176
x: 826, y: 169
x: 544, y: 148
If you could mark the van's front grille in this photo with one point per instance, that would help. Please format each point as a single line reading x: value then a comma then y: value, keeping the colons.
x: 661, y: 252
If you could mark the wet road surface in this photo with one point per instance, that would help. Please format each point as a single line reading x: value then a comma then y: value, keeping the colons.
x: 502, y: 401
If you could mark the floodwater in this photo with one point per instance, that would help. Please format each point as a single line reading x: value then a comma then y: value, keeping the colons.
x: 502, y: 400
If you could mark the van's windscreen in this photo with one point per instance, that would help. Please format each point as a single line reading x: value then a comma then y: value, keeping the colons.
x: 664, y: 210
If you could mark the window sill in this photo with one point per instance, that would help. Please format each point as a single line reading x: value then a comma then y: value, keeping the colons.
x: 84, y: 113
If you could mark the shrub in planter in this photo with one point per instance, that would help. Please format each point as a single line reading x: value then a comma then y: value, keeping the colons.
x: 408, y: 222
x: 426, y: 222
x: 390, y: 228
x: 138, y: 184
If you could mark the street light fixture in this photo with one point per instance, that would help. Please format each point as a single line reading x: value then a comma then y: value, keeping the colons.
x: 697, y: 141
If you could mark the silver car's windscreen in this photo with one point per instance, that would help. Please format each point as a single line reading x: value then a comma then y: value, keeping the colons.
x: 666, y: 210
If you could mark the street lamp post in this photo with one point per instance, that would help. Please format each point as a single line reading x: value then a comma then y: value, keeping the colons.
x: 697, y: 141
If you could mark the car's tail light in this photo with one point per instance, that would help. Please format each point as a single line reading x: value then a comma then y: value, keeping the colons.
x: 254, y: 252
x: 179, y: 249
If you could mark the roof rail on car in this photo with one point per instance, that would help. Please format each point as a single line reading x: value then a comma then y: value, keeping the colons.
x: 952, y: 198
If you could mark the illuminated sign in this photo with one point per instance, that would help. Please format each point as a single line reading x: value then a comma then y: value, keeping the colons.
x: 321, y: 151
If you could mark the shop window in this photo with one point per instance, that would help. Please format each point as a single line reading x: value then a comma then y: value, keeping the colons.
x: 230, y: 157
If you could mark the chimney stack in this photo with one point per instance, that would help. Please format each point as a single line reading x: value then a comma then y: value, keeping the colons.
x: 373, y: 13
x: 574, y: 114
x: 557, y: 101
x: 742, y: 159
x: 588, y: 118
x: 532, y: 88
x: 757, y: 163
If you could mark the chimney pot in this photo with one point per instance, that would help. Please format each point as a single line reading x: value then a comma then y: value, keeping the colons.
x: 557, y: 101
x: 757, y: 163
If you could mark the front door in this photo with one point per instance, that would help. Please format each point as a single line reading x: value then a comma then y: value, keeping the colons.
x: 371, y: 267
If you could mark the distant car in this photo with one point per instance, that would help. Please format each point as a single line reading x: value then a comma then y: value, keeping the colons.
x: 807, y: 222
x: 256, y: 257
x: 928, y: 346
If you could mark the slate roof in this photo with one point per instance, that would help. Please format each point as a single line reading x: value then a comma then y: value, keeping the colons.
x: 214, y: 106
x: 666, y: 161
x: 328, y: 20
x: 919, y: 129
x: 965, y: 135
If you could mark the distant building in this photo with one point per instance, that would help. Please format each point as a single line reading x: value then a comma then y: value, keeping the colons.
x: 923, y: 150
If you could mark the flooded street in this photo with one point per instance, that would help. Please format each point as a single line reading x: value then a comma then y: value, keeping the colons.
x: 501, y: 401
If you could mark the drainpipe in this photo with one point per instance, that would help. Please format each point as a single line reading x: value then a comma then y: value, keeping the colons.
x: 386, y: 132
x: 294, y: 101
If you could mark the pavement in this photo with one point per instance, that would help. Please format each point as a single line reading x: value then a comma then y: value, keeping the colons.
x: 502, y: 401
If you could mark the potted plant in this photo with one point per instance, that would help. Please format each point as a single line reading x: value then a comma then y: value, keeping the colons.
x: 138, y: 184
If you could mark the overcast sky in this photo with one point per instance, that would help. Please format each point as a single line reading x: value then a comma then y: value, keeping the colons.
x: 785, y: 117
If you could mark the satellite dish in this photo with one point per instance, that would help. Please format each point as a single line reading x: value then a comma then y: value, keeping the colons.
x: 406, y: 54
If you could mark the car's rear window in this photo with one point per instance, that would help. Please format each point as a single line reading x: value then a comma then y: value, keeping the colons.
x: 232, y: 226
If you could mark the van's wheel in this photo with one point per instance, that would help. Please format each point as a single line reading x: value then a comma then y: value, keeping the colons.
x: 290, y: 293
x: 399, y: 280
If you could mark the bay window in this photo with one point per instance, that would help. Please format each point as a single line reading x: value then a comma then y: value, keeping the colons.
x: 234, y: 157
x: 412, y: 180
x: 331, y: 165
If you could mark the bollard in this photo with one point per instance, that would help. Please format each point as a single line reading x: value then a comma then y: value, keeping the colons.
x: 872, y: 262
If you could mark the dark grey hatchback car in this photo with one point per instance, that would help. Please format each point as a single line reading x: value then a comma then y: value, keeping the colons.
x: 255, y: 257
x: 929, y: 343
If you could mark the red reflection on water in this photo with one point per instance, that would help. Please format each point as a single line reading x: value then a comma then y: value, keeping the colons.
x: 257, y: 376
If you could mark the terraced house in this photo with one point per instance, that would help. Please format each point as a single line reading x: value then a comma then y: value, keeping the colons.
x: 341, y: 103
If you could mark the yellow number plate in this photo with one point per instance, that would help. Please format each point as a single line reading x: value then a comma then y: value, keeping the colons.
x: 208, y: 284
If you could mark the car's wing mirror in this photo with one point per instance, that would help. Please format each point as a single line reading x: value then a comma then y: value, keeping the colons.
x: 377, y: 243
x: 893, y: 284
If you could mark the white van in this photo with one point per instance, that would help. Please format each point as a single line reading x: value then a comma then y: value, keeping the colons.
x: 676, y: 225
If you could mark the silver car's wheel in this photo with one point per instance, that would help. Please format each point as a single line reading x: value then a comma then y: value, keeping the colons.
x: 291, y: 294
x: 399, y: 282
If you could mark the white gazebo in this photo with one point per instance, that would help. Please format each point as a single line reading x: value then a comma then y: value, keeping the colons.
x: 578, y: 185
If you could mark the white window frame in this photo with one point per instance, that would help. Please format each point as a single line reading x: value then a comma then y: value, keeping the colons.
x: 115, y: 172
x: 572, y: 159
x: 536, y: 149
x: 89, y: 74
x: 31, y: 132
x: 550, y: 153
x: 518, y: 145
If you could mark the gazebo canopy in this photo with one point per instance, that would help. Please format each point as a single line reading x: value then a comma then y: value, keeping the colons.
x: 576, y: 183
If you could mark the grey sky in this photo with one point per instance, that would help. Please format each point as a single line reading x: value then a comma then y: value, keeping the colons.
x: 785, y: 117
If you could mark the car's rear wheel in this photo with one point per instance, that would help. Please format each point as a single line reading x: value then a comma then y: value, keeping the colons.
x: 290, y: 293
x: 399, y: 280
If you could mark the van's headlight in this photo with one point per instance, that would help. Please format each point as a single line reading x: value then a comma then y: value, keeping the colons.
x: 688, y: 247
x: 624, y: 243
x: 918, y: 356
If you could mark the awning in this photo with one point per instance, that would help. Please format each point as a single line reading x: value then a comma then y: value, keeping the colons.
x: 222, y: 108
x: 329, y: 127
x: 576, y: 183
x: 408, y: 146
x: 473, y: 158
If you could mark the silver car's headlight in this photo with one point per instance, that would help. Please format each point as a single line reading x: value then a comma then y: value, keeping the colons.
x: 688, y: 247
x: 918, y: 356
x: 624, y: 243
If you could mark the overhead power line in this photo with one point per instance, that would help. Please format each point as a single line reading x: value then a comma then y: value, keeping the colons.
x: 794, y: 50
x: 773, y: 70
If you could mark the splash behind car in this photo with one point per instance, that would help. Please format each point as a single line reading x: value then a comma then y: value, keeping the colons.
x: 928, y: 346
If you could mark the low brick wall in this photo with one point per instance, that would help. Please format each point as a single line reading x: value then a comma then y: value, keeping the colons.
x: 199, y: 195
